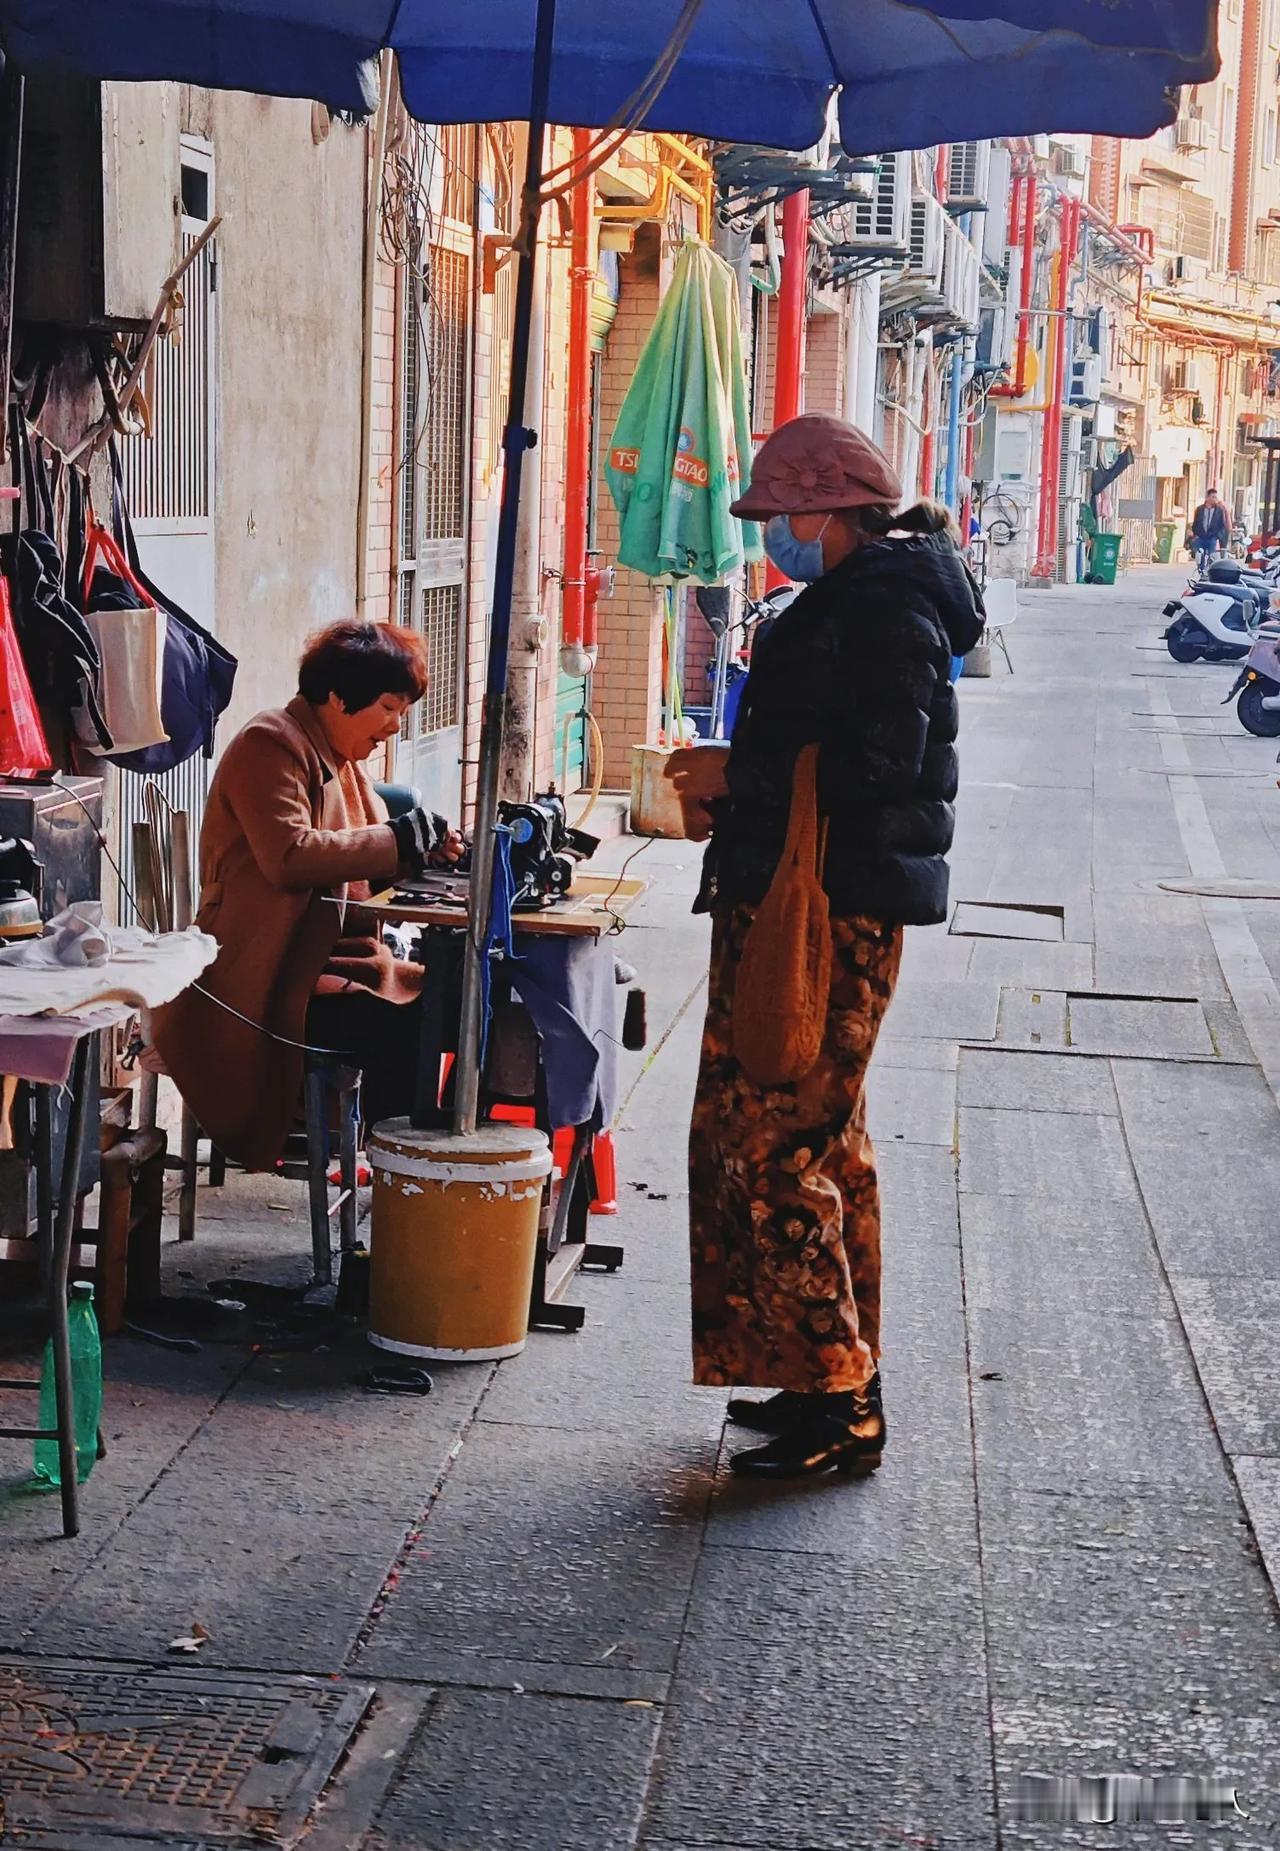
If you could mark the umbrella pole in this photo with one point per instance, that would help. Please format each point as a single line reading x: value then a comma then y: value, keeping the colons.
x: 516, y: 440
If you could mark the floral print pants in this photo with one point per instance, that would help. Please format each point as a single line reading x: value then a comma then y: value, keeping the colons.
x: 784, y: 1206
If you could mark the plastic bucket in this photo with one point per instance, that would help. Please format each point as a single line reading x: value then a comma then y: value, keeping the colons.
x: 454, y: 1238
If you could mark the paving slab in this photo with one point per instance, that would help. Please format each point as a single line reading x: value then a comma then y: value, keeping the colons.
x: 1171, y: 1734
x: 1232, y: 1325
x: 1259, y: 1482
x: 822, y: 1704
x: 523, y: 1771
x: 1014, y: 1255
x: 911, y: 1107
x: 1010, y: 1080
x: 1095, y: 1400
x: 1110, y: 1025
x: 944, y: 1012
x: 275, y: 1527
x: 568, y: 1550
x: 1074, y: 1154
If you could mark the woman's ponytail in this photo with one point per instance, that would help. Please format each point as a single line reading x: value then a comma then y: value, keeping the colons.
x: 926, y: 517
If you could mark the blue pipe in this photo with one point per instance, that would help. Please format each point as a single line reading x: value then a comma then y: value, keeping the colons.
x: 953, y: 428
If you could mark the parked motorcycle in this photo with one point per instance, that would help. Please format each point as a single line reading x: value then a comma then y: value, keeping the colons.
x: 1257, y: 687
x: 1217, y: 616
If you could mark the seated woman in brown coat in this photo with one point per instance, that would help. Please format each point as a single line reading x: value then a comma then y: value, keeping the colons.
x: 294, y: 837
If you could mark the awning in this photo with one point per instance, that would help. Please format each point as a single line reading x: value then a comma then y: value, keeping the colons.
x: 752, y: 70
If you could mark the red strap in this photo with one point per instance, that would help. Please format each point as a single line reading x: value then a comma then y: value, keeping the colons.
x: 100, y: 544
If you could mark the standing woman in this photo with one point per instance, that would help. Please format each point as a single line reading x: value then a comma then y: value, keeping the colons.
x: 784, y: 1203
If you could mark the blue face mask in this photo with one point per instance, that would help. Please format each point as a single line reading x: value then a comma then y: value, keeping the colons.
x: 799, y: 559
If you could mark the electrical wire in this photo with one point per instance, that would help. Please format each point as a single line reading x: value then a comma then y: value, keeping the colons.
x: 619, y: 924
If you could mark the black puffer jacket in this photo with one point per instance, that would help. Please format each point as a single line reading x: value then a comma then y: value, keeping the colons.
x: 859, y: 664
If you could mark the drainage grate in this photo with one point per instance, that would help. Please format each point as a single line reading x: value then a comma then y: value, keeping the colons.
x: 108, y: 1755
x: 1008, y: 919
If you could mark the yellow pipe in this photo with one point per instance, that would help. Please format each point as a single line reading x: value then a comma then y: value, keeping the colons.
x: 654, y: 210
x: 1056, y: 332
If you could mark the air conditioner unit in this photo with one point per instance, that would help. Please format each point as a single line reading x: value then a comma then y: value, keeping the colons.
x: 1104, y: 421
x: 1188, y: 270
x: 1086, y: 379
x: 995, y: 225
x: 1191, y: 134
x: 994, y: 347
x: 968, y: 172
x: 961, y: 276
x: 928, y: 226
x: 1072, y: 162
x: 883, y: 222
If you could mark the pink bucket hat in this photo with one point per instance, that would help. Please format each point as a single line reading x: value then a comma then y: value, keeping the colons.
x: 815, y: 464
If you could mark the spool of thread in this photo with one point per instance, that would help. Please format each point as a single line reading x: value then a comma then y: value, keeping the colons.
x: 635, y: 1032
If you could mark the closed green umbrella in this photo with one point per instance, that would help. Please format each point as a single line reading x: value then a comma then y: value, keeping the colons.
x: 682, y: 446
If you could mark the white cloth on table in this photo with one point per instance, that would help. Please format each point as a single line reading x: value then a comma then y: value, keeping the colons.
x: 75, y: 938
x: 143, y: 968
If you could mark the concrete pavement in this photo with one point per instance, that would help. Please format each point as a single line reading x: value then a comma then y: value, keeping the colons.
x: 562, y: 1624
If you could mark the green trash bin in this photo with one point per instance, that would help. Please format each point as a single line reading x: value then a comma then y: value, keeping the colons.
x: 1104, y: 557
x: 1166, y: 540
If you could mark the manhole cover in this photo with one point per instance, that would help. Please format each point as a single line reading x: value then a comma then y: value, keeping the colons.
x: 1154, y: 1028
x: 108, y: 1755
x: 1007, y: 919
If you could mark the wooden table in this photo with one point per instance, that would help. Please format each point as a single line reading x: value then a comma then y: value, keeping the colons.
x: 595, y: 905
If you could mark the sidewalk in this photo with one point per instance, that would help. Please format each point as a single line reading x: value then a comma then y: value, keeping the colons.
x: 535, y: 1607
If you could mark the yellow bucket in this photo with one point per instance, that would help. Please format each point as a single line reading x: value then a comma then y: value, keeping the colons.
x: 455, y: 1235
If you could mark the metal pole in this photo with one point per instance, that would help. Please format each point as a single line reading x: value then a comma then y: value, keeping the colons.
x: 516, y: 440
x: 68, y: 1465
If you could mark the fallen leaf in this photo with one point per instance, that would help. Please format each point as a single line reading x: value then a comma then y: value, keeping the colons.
x: 191, y: 1642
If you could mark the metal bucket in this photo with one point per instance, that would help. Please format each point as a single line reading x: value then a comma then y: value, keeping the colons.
x: 455, y: 1232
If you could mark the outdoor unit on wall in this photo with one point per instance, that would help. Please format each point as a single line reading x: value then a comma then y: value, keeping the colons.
x: 961, y: 275
x: 883, y: 222
x: 1104, y: 421
x: 1071, y: 161
x: 1191, y: 133
x: 98, y: 230
x: 968, y: 172
x: 994, y: 348
x: 995, y: 225
x: 928, y: 226
x: 1086, y: 379
x: 1188, y: 270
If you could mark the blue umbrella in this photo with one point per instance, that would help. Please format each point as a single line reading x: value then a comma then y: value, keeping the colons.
x: 733, y: 70
x: 752, y: 70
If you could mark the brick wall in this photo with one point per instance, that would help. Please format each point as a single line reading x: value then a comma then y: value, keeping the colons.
x: 626, y: 688
x: 824, y: 364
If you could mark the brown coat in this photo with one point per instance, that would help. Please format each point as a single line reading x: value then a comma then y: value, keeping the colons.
x: 276, y: 851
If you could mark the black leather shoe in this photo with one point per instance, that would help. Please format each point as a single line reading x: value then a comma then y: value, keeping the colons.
x: 849, y: 1441
x: 781, y: 1410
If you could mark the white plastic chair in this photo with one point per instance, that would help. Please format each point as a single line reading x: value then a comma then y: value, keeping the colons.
x: 1000, y: 595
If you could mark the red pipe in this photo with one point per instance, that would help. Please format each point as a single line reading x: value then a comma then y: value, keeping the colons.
x: 578, y: 612
x: 1018, y: 386
x: 1046, y: 566
x: 927, y: 441
x: 788, y: 372
x: 1015, y: 204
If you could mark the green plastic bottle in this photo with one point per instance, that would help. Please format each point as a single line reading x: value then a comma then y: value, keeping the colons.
x: 86, y: 1389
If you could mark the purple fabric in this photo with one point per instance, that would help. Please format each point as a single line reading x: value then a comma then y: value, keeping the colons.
x: 41, y: 1047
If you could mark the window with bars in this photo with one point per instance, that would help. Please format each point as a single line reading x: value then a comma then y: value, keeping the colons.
x: 444, y: 425
x: 439, y: 621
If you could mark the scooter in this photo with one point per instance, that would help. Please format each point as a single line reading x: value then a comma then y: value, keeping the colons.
x: 1217, y: 616
x: 1257, y: 688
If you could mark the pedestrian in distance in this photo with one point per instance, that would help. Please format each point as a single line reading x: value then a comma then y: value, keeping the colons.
x: 849, y: 708
x: 1210, y: 530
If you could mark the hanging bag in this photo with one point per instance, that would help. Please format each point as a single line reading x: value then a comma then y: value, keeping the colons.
x: 57, y: 646
x: 198, y: 674
x: 24, y: 749
x: 130, y: 633
x: 784, y: 975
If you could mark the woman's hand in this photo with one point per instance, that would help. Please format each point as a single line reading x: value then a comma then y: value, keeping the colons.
x: 698, y: 774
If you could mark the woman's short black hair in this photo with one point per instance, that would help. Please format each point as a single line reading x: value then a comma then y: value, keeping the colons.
x: 359, y: 662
